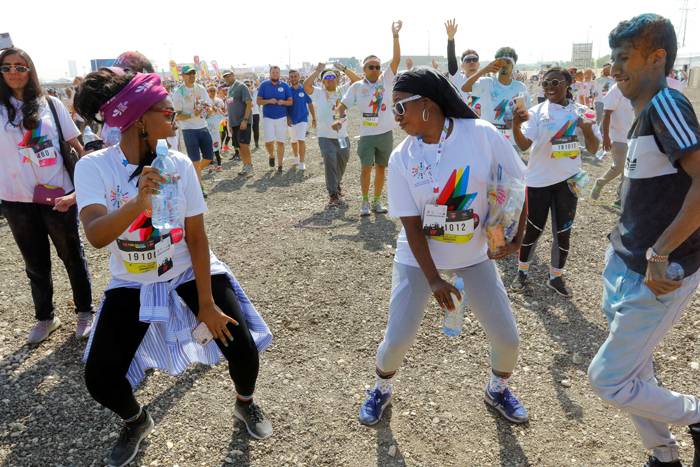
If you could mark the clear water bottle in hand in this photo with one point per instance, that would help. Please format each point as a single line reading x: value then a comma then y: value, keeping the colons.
x: 675, y: 272
x: 342, y: 142
x: 452, y: 326
x: 165, y: 209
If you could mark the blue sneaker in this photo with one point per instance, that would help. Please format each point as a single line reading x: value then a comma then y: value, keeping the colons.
x: 373, y: 407
x: 507, y: 405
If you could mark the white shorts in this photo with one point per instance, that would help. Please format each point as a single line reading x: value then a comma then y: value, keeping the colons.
x: 274, y: 129
x: 298, y: 132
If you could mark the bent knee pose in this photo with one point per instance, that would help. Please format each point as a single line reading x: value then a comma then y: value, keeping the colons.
x: 164, y: 282
x: 445, y: 163
x: 659, y: 225
x: 552, y: 129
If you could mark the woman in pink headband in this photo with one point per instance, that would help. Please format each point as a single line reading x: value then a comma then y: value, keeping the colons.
x: 170, y: 301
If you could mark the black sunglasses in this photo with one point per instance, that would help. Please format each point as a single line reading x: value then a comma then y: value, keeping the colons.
x: 552, y: 82
x: 374, y: 67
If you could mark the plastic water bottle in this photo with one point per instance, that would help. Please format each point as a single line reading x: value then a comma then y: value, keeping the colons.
x: 164, y: 214
x: 88, y: 135
x: 675, y: 272
x: 342, y: 142
x: 452, y: 325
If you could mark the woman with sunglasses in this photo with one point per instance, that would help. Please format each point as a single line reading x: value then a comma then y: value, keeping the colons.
x: 442, y: 169
x: 165, y: 284
x: 37, y: 191
x: 551, y: 130
x: 469, y: 60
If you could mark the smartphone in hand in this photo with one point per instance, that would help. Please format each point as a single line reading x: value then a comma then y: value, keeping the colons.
x: 202, y: 335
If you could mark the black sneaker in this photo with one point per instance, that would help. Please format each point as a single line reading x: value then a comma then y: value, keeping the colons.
x: 654, y: 462
x: 694, y: 431
x: 557, y: 284
x: 258, y: 426
x: 520, y: 282
x: 129, y: 441
x: 271, y: 162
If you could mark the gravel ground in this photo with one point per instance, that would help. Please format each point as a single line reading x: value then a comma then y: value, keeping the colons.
x: 321, y: 278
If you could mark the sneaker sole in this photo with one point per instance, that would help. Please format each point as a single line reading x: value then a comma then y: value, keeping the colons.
x: 138, y: 445
x: 381, y: 414
x: 55, y: 326
x: 497, y: 407
x: 250, y: 432
x: 557, y: 291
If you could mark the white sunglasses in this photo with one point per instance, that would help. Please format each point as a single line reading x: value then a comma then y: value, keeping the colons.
x: 399, y: 108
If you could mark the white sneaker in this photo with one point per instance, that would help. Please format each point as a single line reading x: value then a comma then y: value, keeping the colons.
x: 84, y: 325
x: 379, y: 208
x: 42, y: 330
x: 301, y: 166
x: 365, y: 210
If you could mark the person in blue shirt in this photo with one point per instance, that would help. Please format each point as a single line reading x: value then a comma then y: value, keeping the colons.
x: 298, y: 118
x: 275, y: 96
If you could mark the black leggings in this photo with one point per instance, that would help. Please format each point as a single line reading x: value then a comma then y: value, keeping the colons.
x: 256, y: 129
x: 562, y: 203
x: 119, y: 334
x: 225, y: 137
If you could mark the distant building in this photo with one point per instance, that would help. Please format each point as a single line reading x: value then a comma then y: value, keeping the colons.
x: 97, y: 63
x: 72, y: 68
x: 582, y: 55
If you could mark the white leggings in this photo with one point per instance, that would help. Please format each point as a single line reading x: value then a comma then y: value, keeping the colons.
x: 487, y: 299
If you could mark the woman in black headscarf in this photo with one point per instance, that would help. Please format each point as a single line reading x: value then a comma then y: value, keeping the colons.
x: 438, y: 179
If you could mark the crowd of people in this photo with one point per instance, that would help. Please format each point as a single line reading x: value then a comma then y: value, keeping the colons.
x: 465, y: 128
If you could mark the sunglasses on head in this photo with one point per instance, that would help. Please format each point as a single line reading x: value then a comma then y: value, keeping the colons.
x: 552, y: 82
x: 470, y: 59
x: 374, y: 67
x: 399, y: 107
x: 18, y: 68
x: 170, y: 114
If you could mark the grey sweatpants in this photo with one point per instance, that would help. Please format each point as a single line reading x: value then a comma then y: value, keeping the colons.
x: 334, y: 161
x: 487, y: 299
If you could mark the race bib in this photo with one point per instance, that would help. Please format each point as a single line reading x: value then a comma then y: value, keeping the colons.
x: 370, y: 119
x: 44, y: 155
x: 459, y: 227
x: 434, y: 219
x: 565, y: 148
x: 164, y: 255
x: 138, y: 256
x: 505, y: 131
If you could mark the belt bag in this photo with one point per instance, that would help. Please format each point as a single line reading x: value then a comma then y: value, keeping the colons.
x: 47, y: 194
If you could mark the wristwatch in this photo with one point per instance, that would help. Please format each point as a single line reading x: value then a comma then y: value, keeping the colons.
x: 652, y: 257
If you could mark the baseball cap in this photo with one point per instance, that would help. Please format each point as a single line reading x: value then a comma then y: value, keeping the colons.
x: 188, y: 69
x: 226, y: 73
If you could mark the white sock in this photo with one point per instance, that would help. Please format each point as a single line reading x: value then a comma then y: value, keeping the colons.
x: 498, y: 383
x: 555, y: 272
x: 384, y: 384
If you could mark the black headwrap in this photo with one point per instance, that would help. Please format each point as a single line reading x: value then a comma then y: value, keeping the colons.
x: 427, y: 82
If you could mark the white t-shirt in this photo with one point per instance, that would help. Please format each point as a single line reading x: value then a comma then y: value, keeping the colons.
x: 256, y: 107
x: 374, y: 101
x: 102, y: 178
x: 622, y: 117
x: 581, y: 91
x: 30, y: 158
x: 471, y: 153
x: 185, y: 99
x: 676, y: 84
x: 458, y: 79
x: 601, y: 87
x: 325, y: 104
x: 498, y: 101
x: 555, y: 154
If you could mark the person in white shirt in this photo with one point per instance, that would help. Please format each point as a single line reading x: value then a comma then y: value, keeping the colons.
x: 192, y: 104
x: 444, y: 166
x: 470, y: 64
x: 601, y: 87
x: 334, y: 144
x: 617, y: 121
x: 36, y: 190
x: 498, y: 96
x: 552, y: 130
x: 256, y: 112
x: 170, y: 302
x: 372, y: 96
x: 214, y: 118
